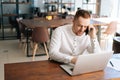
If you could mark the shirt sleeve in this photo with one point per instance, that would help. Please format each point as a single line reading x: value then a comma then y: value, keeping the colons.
x: 55, y: 45
x: 93, y: 46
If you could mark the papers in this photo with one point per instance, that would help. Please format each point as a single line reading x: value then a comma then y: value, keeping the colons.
x: 115, y: 63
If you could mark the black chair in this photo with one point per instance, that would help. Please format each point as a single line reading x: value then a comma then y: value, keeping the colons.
x: 13, y: 22
x: 24, y: 33
x: 116, y: 43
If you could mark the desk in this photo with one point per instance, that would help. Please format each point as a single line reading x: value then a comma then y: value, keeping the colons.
x: 49, y: 70
x: 32, y: 23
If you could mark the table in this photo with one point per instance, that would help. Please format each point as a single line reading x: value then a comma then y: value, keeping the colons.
x: 42, y: 22
x: 50, y: 70
x: 104, y: 21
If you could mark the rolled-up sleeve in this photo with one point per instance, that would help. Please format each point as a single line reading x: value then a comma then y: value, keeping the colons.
x: 94, y: 46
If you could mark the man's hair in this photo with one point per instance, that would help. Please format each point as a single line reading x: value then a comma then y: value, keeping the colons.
x: 82, y: 13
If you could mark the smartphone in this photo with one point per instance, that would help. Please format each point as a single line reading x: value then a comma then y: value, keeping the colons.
x: 87, y: 31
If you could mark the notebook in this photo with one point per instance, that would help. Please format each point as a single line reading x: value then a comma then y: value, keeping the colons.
x: 88, y: 63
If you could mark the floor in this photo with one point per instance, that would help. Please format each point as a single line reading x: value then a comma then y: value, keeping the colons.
x: 11, y: 52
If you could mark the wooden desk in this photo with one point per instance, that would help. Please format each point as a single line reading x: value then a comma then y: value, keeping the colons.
x: 48, y: 70
x: 32, y: 23
x: 107, y: 19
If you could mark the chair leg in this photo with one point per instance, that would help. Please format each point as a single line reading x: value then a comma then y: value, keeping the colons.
x: 45, y: 47
x: 24, y: 47
x: 21, y: 42
x: 35, y: 46
x: 31, y: 44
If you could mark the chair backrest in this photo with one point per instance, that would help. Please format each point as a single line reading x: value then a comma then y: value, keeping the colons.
x: 22, y: 28
x: 20, y: 25
x: 112, y: 27
x: 40, y: 34
x: 18, y: 19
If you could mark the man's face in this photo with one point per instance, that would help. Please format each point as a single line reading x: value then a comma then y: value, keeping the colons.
x: 80, y: 25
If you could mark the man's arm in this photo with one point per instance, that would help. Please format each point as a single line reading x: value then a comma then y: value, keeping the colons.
x: 55, y: 45
x: 94, y: 44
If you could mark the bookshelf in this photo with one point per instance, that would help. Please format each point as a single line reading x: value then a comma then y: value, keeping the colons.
x: 10, y: 10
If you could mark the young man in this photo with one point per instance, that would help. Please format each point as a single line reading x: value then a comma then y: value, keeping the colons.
x: 71, y: 40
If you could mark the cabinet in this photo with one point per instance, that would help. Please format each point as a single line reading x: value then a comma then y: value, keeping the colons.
x: 10, y: 10
x: 59, y: 6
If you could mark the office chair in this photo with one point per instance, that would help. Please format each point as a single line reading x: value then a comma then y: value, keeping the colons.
x: 109, y: 33
x: 116, y: 44
x: 40, y: 35
x: 21, y: 30
x: 23, y: 34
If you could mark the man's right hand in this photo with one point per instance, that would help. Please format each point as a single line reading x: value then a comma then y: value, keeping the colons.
x: 74, y: 59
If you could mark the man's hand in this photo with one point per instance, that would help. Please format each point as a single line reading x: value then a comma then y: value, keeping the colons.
x: 92, y: 31
x: 74, y: 59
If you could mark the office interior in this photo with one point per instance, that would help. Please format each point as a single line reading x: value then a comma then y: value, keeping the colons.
x: 10, y: 49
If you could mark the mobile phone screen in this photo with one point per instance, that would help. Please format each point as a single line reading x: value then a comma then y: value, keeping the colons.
x: 86, y: 31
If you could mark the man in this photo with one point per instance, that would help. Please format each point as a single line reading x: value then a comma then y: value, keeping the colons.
x: 70, y: 41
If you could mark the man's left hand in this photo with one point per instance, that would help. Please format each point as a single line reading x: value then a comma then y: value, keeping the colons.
x: 92, y: 31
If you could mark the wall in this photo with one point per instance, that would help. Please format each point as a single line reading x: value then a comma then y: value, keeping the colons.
x: 0, y: 14
x: 109, y: 8
x: 0, y: 8
x: 11, y: 8
x: 40, y: 3
x: 78, y: 3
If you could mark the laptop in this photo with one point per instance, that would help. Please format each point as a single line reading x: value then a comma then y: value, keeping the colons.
x: 88, y: 63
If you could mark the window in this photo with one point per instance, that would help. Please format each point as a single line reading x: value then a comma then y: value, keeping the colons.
x: 89, y: 5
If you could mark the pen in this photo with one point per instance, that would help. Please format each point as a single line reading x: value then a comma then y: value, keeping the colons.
x: 111, y: 64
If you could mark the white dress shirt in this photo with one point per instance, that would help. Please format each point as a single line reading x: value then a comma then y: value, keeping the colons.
x: 65, y: 44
